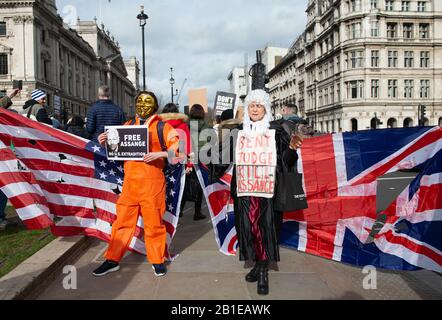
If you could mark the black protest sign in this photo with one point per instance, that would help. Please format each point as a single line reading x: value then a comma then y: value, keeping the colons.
x: 127, y: 142
x: 224, y: 101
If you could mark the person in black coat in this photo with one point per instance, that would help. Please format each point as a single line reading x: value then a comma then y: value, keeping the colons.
x: 256, y: 222
x: 76, y: 127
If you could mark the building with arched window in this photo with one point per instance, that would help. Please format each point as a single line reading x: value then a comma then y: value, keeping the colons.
x: 360, y: 59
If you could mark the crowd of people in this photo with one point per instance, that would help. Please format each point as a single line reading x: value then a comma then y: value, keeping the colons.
x: 144, y: 188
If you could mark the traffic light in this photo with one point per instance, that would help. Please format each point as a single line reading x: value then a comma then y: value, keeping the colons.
x: 258, y: 73
x: 424, y: 109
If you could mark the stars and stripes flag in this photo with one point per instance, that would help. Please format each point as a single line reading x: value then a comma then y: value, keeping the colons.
x: 340, y: 179
x: 61, y: 181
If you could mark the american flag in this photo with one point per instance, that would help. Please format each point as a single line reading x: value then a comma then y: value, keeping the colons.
x: 340, y: 179
x: 61, y: 181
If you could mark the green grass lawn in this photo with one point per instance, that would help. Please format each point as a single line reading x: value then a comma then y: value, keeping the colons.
x: 17, y: 243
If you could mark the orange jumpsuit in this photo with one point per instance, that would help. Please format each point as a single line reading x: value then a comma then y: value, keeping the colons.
x: 144, y: 190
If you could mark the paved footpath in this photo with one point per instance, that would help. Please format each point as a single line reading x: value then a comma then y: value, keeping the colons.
x: 202, y: 273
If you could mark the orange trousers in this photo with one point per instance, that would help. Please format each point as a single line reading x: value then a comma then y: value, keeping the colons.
x: 152, y: 206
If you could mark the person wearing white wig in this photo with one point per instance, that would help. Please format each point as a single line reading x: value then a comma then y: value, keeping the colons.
x: 256, y: 222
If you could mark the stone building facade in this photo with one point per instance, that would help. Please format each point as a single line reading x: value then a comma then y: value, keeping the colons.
x: 368, y: 64
x: 68, y: 62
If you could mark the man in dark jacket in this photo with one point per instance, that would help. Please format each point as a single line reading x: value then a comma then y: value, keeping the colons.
x: 292, y: 123
x: 103, y: 113
x: 36, y: 108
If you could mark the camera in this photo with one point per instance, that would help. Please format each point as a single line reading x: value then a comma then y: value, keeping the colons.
x: 17, y: 84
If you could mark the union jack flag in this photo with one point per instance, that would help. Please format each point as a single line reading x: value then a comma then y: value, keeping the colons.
x: 61, y: 181
x: 340, y: 178
x: 220, y: 204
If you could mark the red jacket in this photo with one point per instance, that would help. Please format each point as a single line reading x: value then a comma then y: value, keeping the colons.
x: 179, y: 122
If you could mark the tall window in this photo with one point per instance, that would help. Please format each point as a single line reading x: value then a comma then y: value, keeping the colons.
x: 425, y: 89
x: 332, y: 68
x: 405, y: 5
x: 392, y: 30
x: 409, y: 59
x: 421, y: 6
x: 360, y: 59
x: 389, y: 5
x: 392, y: 88
x: 2, y: 29
x: 354, y: 5
x: 375, y: 58
x: 392, y: 59
x: 3, y: 64
x: 354, y: 30
x: 338, y: 92
x: 424, y: 30
x: 355, y: 89
x: 408, y: 88
x: 375, y: 28
x: 375, y: 89
x: 338, y: 63
x: 374, y: 4
x: 425, y: 59
x: 408, y: 31
x: 332, y: 94
x: 356, y: 59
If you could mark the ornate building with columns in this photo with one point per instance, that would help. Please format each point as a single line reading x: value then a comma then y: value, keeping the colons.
x: 68, y: 62
x: 366, y: 64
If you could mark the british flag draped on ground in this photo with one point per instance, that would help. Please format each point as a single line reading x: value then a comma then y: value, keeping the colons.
x: 57, y: 180
x: 340, y: 178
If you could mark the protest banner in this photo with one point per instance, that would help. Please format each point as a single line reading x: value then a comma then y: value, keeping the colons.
x: 256, y: 164
x: 224, y: 101
x: 127, y: 142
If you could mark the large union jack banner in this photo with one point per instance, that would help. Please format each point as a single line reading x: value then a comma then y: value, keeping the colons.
x: 57, y: 180
x: 340, y: 179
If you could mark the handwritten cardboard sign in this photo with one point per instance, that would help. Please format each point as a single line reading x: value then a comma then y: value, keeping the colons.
x: 256, y: 164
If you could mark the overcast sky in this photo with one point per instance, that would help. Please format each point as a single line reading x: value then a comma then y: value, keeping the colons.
x: 201, y: 39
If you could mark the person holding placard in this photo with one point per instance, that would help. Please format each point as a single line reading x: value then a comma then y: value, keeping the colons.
x: 262, y: 148
x: 144, y: 191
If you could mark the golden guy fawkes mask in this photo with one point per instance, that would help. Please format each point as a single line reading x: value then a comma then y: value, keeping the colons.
x: 145, y: 106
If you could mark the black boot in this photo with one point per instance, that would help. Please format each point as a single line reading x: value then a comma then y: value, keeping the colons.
x: 263, y: 279
x: 252, y: 276
x: 198, y: 216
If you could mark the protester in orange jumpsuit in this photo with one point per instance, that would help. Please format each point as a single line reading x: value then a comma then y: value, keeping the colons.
x: 144, y: 191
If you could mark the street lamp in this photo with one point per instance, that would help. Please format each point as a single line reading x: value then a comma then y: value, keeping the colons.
x: 143, y: 20
x: 172, y: 82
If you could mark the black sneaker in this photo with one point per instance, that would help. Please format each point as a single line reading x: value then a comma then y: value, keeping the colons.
x: 107, y: 267
x: 159, y: 269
